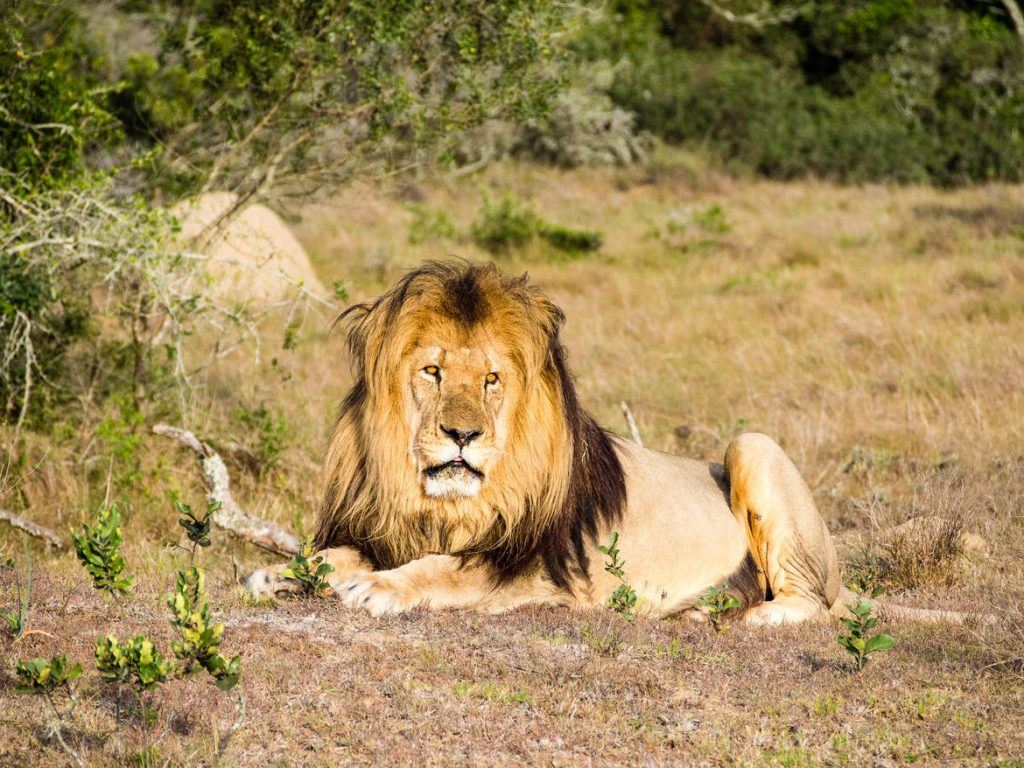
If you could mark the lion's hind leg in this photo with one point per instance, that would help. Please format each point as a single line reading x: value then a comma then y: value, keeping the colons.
x: 346, y: 561
x: 791, y: 547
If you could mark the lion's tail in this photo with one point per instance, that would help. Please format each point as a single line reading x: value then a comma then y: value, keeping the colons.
x: 888, y: 611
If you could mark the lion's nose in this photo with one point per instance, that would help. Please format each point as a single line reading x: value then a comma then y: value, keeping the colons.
x: 460, y: 435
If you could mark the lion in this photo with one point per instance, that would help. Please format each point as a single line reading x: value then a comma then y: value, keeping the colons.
x: 463, y: 472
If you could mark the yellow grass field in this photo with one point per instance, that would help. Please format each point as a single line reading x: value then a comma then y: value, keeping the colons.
x: 876, y: 332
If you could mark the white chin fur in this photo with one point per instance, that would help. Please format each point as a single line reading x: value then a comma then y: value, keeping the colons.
x: 463, y: 484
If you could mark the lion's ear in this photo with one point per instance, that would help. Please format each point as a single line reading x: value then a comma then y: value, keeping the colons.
x: 360, y: 320
x: 548, y: 320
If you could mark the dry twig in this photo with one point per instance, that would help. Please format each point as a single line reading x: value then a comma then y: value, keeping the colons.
x: 52, y: 538
x: 631, y: 422
x: 230, y: 516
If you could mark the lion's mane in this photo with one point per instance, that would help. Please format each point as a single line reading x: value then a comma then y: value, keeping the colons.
x: 558, y: 476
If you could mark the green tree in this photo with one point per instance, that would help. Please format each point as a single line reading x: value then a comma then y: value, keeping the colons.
x: 269, y: 97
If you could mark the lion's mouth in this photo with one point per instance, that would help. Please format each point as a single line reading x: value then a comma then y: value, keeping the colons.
x: 456, y: 465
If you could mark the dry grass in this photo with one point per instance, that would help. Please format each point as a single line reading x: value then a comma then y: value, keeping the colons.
x: 875, y: 332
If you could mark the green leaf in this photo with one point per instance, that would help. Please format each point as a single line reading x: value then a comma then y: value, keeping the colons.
x: 879, y: 643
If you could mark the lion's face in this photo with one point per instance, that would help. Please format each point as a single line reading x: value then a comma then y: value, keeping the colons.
x: 460, y: 393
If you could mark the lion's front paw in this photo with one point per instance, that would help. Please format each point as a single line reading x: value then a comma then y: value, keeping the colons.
x: 266, y: 582
x: 378, y: 593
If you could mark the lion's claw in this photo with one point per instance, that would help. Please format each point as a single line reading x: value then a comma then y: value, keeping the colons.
x: 377, y: 594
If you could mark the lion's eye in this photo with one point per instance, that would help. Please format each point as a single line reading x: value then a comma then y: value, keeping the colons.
x: 492, y: 378
x: 432, y: 370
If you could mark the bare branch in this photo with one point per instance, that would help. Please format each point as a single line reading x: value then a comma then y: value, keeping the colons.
x: 52, y: 538
x: 1013, y: 8
x: 230, y: 516
x: 633, y: 431
x: 765, y: 16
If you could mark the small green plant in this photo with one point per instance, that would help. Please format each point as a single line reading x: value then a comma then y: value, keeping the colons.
x: 718, y: 603
x: 712, y: 220
x: 623, y: 599
x: 18, y: 618
x: 311, y: 574
x: 570, y: 241
x: 40, y: 676
x: 49, y: 679
x: 98, y: 546
x: 503, y: 226
x: 198, y: 638
x: 197, y: 525
x: 136, y: 662
x: 860, y: 643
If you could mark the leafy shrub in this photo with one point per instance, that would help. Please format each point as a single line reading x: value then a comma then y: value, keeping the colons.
x: 98, y: 547
x: 900, y: 90
x: 60, y: 353
x: 624, y: 599
x: 40, y: 676
x: 503, y: 226
x: 198, y: 639
x: 429, y: 224
x: 53, y: 110
x: 583, y: 127
x: 718, y: 603
x: 571, y: 241
x: 859, y: 642
x: 310, y: 574
x: 511, y: 224
x: 136, y: 662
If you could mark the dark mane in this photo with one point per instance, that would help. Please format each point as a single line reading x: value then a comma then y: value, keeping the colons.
x: 596, y: 494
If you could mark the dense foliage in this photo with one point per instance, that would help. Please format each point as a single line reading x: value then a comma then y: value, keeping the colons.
x: 110, y: 112
x: 903, y: 90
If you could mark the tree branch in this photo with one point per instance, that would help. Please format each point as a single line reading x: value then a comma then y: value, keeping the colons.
x: 230, y: 516
x: 631, y: 422
x: 1013, y: 8
x: 765, y: 16
x: 52, y: 538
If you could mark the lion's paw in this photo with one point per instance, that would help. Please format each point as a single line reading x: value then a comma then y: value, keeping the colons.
x: 266, y: 582
x: 378, y: 593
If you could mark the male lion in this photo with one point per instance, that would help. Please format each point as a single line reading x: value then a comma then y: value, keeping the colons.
x: 463, y: 473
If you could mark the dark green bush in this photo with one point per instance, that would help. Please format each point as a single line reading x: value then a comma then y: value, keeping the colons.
x: 511, y: 224
x: 52, y: 110
x: 896, y: 90
x: 571, y: 241
x: 503, y: 226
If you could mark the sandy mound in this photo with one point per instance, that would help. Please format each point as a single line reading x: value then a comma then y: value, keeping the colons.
x: 256, y: 257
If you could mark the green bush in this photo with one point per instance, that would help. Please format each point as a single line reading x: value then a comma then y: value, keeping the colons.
x: 511, y: 224
x: 136, y: 662
x: 40, y: 676
x: 503, y: 226
x: 98, y: 547
x: 571, y: 241
x: 898, y: 90
x: 199, y: 639
x: 52, y: 105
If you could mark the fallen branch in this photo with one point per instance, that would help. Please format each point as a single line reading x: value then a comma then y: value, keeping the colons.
x: 52, y: 538
x: 631, y: 422
x: 230, y: 516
